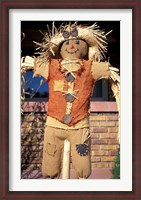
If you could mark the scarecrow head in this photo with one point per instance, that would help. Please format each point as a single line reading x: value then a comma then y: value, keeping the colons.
x: 74, y: 48
x: 73, y: 41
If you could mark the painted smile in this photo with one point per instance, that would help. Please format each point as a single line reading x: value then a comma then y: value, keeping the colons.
x: 71, y: 52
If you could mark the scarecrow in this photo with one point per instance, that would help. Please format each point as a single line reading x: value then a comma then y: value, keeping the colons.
x: 70, y: 61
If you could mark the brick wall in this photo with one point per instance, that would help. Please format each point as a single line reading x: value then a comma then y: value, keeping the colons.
x: 103, y: 128
x: 104, y: 142
x: 32, y: 133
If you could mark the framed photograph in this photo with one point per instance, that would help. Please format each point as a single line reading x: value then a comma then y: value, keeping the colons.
x: 18, y: 17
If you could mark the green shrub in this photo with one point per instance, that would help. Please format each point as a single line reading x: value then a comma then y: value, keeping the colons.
x: 116, y: 169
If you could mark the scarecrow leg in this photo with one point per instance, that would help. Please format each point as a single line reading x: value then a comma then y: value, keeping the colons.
x: 66, y: 160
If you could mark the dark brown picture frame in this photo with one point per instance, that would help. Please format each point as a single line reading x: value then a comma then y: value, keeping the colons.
x: 6, y: 5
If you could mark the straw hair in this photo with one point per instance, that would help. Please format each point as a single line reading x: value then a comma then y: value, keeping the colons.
x: 52, y: 39
x: 115, y: 86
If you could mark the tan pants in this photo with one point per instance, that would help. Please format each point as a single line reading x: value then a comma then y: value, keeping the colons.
x: 53, y: 152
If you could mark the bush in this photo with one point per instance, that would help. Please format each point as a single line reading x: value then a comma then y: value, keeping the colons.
x: 116, y: 169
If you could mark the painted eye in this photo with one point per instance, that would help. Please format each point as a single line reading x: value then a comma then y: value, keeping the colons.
x: 74, y: 32
x: 67, y: 42
x: 76, y: 41
x: 66, y: 34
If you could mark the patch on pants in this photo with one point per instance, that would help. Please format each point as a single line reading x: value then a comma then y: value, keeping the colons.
x: 82, y: 149
x: 50, y: 149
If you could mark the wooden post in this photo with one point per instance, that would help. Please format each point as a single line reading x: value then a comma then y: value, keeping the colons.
x: 66, y: 160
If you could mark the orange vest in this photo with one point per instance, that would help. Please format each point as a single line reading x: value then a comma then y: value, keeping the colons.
x: 83, y: 82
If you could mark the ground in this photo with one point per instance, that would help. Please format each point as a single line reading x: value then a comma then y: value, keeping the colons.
x: 97, y: 173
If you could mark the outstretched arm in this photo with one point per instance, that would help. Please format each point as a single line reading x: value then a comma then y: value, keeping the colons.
x: 100, y: 70
x: 31, y: 63
x: 103, y: 70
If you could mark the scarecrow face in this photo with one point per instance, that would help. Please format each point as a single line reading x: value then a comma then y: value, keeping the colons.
x: 74, y: 48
